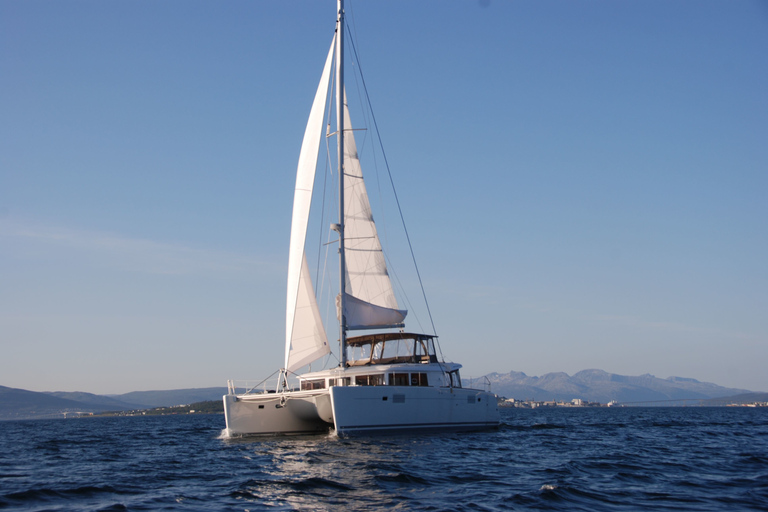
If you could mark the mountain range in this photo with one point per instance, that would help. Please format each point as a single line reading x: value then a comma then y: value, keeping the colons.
x: 591, y: 385
x: 22, y: 404
x: 603, y: 387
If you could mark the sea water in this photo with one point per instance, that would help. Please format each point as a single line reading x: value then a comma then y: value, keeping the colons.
x: 541, y: 459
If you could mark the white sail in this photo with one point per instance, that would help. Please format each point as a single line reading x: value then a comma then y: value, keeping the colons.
x: 367, y: 278
x: 305, y: 338
x: 309, y: 341
x: 364, y: 315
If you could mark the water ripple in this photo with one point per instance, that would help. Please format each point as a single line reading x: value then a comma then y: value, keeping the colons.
x: 566, y: 459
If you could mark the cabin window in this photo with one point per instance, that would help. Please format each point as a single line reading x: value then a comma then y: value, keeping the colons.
x: 455, y: 379
x: 424, y: 351
x: 398, y: 379
x: 369, y: 380
x: 397, y: 350
x: 419, y: 379
x: 390, y: 348
x: 360, y: 353
x: 313, y: 384
x: 378, y: 351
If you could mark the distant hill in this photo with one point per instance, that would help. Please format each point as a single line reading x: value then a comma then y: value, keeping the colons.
x: 173, y: 397
x: 601, y: 386
x: 102, y: 402
x: 22, y: 404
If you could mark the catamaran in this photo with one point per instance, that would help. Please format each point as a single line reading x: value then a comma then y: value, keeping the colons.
x: 388, y: 379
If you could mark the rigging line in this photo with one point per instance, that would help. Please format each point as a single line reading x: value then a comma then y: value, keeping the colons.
x: 407, y: 298
x: 328, y: 170
x: 329, y: 167
x: 325, y: 279
x: 366, y: 113
x: 381, y: 226
x: 318, y: 280
x: 247, y: 391
x: 321, y: 278
x: 391, y: 180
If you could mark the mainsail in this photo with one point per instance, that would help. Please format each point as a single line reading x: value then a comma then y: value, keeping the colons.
x: 370, y: 300
x: 305, y: 338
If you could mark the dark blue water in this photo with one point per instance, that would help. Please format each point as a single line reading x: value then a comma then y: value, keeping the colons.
x: 556, y: 459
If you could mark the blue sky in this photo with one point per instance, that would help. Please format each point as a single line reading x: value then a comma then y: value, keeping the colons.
x: 585, y: 183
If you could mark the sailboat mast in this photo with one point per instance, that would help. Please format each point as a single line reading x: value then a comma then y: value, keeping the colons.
x: 340, y: 142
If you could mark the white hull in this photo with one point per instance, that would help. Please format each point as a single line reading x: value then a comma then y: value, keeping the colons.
x: 356, y: 410
x: 296, y: 412
x: 392, y: 409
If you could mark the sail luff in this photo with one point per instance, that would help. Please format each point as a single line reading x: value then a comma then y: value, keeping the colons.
x: 305, y: 178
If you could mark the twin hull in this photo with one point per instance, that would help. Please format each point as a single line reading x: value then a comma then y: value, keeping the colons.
x: 294, y: 412
x: 361, y: 410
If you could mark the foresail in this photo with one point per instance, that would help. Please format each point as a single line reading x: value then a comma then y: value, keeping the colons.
x: 301, y: 311
x: 309, y: 341
x: 367, y: 278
